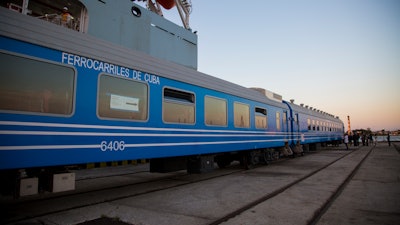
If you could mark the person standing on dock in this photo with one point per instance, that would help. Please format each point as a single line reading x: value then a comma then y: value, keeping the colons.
x: 388, y: 138
x: 346, y: 140
x: 370, y: 139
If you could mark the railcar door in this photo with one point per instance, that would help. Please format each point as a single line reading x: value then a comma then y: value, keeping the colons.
x: 296, y: 127
x: 285, y: 126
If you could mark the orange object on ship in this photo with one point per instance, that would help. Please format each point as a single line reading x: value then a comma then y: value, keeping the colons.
x: 167, y: 4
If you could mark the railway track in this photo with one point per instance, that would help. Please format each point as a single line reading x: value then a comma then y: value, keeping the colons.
x: 201, y: 192
x: 40, y: 206
x: 266, y: 199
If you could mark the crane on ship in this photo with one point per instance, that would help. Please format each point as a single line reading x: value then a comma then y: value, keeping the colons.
x: 184, y: 8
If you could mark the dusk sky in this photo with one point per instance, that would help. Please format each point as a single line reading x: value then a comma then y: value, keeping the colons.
x: 339, y: 56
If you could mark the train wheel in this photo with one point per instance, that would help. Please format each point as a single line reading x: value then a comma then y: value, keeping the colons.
x: 223, y: 161
x: 266, y: 156
x: 251, y: 159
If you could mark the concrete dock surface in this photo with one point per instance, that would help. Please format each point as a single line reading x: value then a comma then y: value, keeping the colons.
x: 373, y: 195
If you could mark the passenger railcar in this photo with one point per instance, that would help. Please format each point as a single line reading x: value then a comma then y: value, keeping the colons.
x: 75, y: 95
x: 311, y: 125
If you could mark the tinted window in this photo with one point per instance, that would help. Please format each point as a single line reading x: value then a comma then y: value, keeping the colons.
x: 241, y: 115
x: 278, y: 121
x: 30, y: 85
x: 215, y: 111
x: 122, y: 99
x: 261, y: 118
x: 179, y: 106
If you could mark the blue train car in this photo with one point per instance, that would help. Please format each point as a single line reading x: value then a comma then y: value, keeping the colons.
x: 310, y: 125
x: 76, y: 94
x: 57, y: 111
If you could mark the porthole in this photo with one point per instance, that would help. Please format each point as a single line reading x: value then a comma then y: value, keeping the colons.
x: 136, y: 11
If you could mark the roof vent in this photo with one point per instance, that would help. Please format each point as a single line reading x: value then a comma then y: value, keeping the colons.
x: 292, y: 101
x: 269, y: 94
x: 302, y: 105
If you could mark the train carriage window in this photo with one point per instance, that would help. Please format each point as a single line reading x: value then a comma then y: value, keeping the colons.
x: 178, y: 107
x: 284, y: 118
x: 309, y: 124
x: 215, y: 111
x: 313, y: 124
x: 261, y: 118
x: 278, y: 121
x: 122, y: 99
x: 30, y: 85
x: 241, y: 114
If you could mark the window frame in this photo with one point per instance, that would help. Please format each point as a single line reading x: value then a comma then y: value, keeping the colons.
x: 205, y: 111
x: 235, y: 103
x: 73, y: 88
x: 177, y: 100
x: 257, y: 114
x: 127, y: 80
x: 278, y: 120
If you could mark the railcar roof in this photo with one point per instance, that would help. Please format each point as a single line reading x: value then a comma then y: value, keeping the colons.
x: 312, y: 112
x: 29, y: 29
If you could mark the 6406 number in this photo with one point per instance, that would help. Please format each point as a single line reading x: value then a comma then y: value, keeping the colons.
x: 112, y: 146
